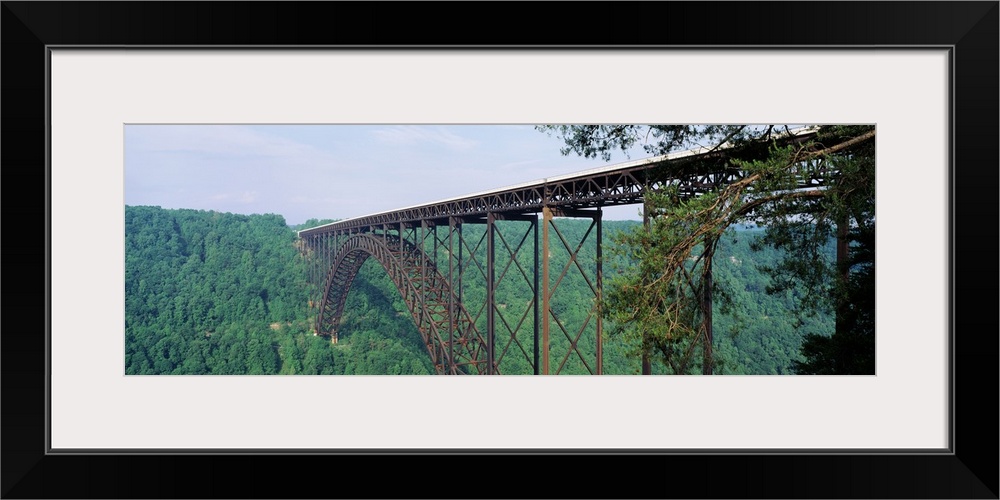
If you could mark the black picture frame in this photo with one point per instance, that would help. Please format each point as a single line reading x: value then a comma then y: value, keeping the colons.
x: 969, y: 28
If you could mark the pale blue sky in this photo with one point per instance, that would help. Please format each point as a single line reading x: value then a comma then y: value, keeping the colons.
x: 337, y: 171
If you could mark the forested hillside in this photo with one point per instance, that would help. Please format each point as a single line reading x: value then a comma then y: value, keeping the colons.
x: 220, y: 293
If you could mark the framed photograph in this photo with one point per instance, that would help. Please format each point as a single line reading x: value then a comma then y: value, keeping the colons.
x: 81, y: 79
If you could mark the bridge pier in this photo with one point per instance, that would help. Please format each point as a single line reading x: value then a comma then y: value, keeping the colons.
x: 546, y: 295
x: 596, y: 364
x: 491, y: 299
x: 454, y: 224
x: 511, y: 319
x: 490, y: 260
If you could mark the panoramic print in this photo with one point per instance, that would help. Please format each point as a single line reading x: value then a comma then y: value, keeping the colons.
x: 534, y: 249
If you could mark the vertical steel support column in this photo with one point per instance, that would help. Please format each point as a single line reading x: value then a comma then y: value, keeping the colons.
x: 647, y: 368
x: 434, y: 262
x: 452, y: 323
x: 546, y: 221
x: 422, y: 291
x: 600, y: 274
x: 461, y: 274
x: 490, y: 294
x: 534, y: 225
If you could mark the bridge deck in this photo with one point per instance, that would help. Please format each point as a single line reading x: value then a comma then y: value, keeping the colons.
x: 694, y: 171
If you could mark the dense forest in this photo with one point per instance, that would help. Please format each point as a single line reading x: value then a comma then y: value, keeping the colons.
x: 221, y: 293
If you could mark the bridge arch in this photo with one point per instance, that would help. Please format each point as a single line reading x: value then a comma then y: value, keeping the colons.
x: 452, y: 341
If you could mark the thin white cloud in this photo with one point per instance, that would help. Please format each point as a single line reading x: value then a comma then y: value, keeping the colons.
x: 412, y: 135
x: 516, y: 164
x: 244, y: 197
x: 232, y: 141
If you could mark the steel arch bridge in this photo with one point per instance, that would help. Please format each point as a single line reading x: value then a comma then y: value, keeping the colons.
x: 432, y: 260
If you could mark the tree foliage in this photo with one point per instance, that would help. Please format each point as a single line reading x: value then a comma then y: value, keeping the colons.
x: 221, y: 293
x: 214, y: 293
x: 664, y: 302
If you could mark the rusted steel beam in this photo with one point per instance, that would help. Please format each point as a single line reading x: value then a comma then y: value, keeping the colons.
x: 546, y: 293
x: 452, y: 323
x: 574, y: 341
x: 534, y: 289
x: 491, y: 302
x: 575, y: 213
x: 600, y: 286
x: 516, y: 217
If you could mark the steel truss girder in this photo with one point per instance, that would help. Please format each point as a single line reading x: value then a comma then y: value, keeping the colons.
x: 432, y: 288
x: 455, y: 347
x: 505, y: 334
x: 548, y: 291
x: 692, y: 175
x: 511, y: 336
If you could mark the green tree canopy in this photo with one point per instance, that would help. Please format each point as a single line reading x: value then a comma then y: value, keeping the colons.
x: 804, y: 192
